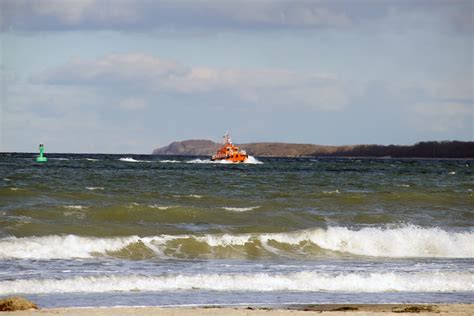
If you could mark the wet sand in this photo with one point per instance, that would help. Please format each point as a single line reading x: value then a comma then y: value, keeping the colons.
x: 327, y: 309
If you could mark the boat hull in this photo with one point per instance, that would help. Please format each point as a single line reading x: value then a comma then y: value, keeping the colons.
x: 236, y: 158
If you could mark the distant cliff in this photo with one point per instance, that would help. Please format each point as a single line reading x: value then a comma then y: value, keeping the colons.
x: 197, y: 147
x: 432, y: 149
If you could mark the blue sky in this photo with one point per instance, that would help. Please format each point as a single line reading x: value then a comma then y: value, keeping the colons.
x: 129, y: 76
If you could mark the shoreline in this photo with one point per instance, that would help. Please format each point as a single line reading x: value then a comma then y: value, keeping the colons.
x: 310, y: 309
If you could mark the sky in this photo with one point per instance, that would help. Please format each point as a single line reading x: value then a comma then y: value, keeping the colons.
x: 123, y: 76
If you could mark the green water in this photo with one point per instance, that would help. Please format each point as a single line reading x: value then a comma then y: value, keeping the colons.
x: 101, y: 230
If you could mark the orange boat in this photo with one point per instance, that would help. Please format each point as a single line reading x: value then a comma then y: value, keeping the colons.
x: 230, y: 152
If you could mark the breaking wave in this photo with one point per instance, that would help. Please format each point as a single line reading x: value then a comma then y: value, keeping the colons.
x: 307, y: 281
x: 129, y: 159
x: 240, y: 209
x: 408, y: 241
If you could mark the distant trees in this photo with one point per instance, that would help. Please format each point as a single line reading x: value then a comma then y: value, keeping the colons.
x: 429, y: 149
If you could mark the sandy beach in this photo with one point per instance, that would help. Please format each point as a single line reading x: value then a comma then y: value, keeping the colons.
x: 327, y: 309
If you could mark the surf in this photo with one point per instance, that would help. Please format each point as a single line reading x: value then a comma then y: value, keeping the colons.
x: 305, y: 281
x: 402, y: 242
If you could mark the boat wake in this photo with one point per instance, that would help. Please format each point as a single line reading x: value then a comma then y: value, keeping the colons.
x: 250, y: 160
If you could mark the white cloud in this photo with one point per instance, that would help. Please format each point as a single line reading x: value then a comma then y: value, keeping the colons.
x: 148, y: 74
x: 151, y: 14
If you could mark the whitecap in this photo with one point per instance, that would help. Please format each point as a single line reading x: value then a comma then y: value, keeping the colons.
x: 403, y: 242
x: 94, y: 188
x: 240, y: 209
x: 332, y: 192
x: 75, y: 207
x: 159, y: 207
x: 129, y: 159
x: 302, y: 281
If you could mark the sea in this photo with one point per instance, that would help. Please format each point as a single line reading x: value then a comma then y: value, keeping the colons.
x: 143, y: 230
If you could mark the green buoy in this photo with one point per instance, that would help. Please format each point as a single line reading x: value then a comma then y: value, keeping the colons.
x: 41, y: 158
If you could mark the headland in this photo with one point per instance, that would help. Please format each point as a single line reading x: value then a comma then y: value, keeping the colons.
x: 429, y: 149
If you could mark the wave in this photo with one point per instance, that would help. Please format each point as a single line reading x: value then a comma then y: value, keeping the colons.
x: 253, y: 160
x: 170, y: 161
x: 404, y: 242
x: 195, y: 196
x: 240, y: 209
x: 129, y: 159
x: 159, y: 207
x: 92, y: 159
x: 94, y: 188
x: 75, y: 207
x: 332, y: 192
x: 250, y: 160
x: 306, y: 281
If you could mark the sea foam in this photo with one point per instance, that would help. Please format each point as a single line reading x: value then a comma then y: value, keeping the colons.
x: 307, y: 281
x: 250, y: 160
x: 240, y: 209
x: 408, y: 241
x: 129, y: 159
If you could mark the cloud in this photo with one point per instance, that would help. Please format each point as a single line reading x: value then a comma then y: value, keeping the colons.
x: 141, y: 73
x: 149, y: 15
x: 34, y: 15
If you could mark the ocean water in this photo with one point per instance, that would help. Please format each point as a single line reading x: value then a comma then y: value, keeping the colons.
x: 108, y: 230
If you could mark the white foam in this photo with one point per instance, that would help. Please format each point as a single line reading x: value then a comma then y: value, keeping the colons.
x: 332, y: 192
x: 159, y: 207
x: 209, y: 161
x: 253, y: 160
x: 129, y: 159
x: 75, y: 207
x: 308, y: 281
x: 94, y: 188
x: 196, y: 196
x: 407, y: 241
x: 170, y: 161
x: 240, y: 209
x: 92, y: 159
x: 404, y: 185
x: 452, y: 172
x: 249, y: 160
x: 60, y: 247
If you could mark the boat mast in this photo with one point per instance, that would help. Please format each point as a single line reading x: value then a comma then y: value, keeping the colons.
x: 227, y: 139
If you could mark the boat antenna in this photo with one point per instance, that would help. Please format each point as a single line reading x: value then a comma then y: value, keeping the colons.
x: 227, y: 139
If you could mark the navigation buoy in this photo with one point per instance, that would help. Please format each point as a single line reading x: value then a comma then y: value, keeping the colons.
x: 41, y: 157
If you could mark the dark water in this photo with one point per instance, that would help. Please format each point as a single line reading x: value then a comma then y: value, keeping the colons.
x: 92, y: 230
